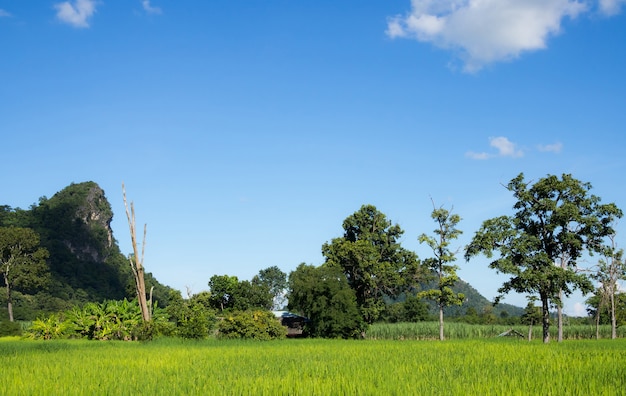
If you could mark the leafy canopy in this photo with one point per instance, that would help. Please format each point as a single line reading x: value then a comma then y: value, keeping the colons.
x: 555, y: 222
x: 372, y: 259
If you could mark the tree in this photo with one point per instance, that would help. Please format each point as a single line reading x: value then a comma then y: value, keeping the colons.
x: 323, y: 295
x: 611, y: 269
x: 227, y: 292
x: 223, y: 289
x: 22, y: 261
x: 250, y: 295
x: 555, y: 222
x: 415, y: 309
x: 276, y: 281
x: 441, y: 264
x: 531, y: 315
x: 136, y: 261
x: 372, y: 259
x: 194, y: 318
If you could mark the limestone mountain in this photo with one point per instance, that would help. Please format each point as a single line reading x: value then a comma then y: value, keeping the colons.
x: 85, y: 262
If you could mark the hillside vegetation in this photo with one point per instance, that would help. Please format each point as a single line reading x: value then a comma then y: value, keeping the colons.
x: 85, y: 263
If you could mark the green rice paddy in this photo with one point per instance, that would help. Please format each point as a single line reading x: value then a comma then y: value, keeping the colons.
x: 313, y: 367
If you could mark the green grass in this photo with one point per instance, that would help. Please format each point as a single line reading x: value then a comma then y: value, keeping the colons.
x: 312, y: 367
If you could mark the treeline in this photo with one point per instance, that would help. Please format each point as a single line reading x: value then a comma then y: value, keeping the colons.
x: 366, y: 277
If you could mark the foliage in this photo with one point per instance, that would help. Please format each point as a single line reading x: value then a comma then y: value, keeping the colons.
x: 222, y: 291
x: 594, y: 302
x: 228, y: 293
x: 109, y: 320
x: 323, y: 295
x: 532, y: 314
x: 555, y: 222
x: 313, y: 367
x: 375, y: 265
x: 193, y: 318
x: 255, y: 325
x: 85, y: 263
x: 441, y: 264
x: 22, y: 262
x: 412, y: 309
x: 8, y: 328
x: 610, y: 270
x: 50, y: 328
x: 275, y: 280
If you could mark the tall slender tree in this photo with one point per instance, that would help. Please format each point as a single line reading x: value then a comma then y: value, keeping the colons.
x: 441, y: 264
x: 136, y: 260
x: 611, y: 269
x: 555, y: 222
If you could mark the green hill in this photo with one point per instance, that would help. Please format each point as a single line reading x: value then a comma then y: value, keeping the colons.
x: 85, y: 262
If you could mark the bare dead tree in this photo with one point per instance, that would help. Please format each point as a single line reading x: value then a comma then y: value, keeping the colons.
x: 136, y: 261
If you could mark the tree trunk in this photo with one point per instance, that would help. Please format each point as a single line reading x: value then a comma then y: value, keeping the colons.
x: 613, y: 320
x: 9, y: 300
x: 530, y: 331
x: 559, y: 311
x: 598, y: 322
x: 441, y: 337
x: 545, y: 319
x: 136, y: 262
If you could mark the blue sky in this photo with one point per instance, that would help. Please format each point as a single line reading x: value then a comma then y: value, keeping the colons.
x: 246, y: 132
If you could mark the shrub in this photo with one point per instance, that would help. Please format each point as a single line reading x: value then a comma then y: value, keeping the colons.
x: 257, y: 325
x: 10, y: 329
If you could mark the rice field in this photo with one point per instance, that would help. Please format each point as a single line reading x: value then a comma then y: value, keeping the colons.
x: 313, y: 367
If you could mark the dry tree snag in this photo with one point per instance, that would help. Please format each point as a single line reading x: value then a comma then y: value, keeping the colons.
x: 136, y: 261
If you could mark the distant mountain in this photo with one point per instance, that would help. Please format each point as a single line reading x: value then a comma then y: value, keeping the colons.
x: 478, y: 303
x: 85, y: 262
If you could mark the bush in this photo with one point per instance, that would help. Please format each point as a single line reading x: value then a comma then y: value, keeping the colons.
x: 10, y: 329
x: 257, y: 325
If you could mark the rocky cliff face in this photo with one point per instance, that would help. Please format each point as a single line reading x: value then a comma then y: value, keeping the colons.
x: 96, y: 212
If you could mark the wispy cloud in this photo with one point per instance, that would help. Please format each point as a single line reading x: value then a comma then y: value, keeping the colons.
x: 611, y: 7
x: 481, y: 32
x: 4, y: 14
x: 149, y: 8
x: 552, y: 148
x: 76, y: 13
x: 504, y: 148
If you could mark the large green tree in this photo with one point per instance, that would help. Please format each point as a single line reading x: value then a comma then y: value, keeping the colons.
x: 372, y: 259
x: 276, y: 281
x: 22, y: 261
x: 323, y: 295
x: 223, y: 288
x: 228, y: 293
x: 441, y: 262
x: 556, y: 221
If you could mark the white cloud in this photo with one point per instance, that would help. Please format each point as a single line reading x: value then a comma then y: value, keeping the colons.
x: 77, y: 13
x: 504, y: 147
x: 149, y: 8
x: 477, y: 156
x: 578, y: 310
x: 611, y: 7
x: 553, y: 148
x: 4, y: 13
x: 481, y: 32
